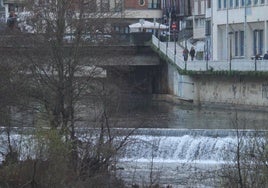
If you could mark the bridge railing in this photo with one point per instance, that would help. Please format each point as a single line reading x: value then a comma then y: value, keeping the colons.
x: 115, y: 39
x: 175, y: 55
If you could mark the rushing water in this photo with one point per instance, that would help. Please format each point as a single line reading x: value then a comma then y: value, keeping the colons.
x: 176, y: 144
x: 174, y: 156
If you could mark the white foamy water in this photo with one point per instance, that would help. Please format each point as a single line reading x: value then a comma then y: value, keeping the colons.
x: 168, y: 155
x: 170, y: 145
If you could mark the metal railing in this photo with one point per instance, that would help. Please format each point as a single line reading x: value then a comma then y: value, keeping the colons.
x: 202, y: 65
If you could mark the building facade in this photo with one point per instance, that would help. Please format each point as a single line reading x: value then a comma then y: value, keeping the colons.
x: 178, y: 11
x: 118, y: 14
x: 12, y: 5
x: 240, y: 28
x: 200, y: 17
x: 2, y: 11
x: 202, y: 26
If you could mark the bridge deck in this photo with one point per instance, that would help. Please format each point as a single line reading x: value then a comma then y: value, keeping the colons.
x: 114, y: 54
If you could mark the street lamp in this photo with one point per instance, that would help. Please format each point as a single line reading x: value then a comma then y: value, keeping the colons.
x: 174, y: 28
x: 230, y: 54
x: 206, y: 55
x: 169, y: 24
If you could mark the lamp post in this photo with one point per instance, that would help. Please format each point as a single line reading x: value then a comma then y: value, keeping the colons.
x: 166, y: 32
x: 206, y: 53
x: 154, y: 26
x: 230, y: 54
x: 174, y: 27
x: 169, y: 24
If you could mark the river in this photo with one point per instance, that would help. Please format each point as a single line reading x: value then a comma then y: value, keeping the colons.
x: 184, y: 146
x: 159, y: 114
x: 181, y: 145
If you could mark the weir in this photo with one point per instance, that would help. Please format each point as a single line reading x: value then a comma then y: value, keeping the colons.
x: 204, y: 146
x: 166, y: 145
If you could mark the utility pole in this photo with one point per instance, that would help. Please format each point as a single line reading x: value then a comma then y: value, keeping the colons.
x: 227, y: 32
x: 245, y: 31
x: 230, y: 58
x: 169, y: 24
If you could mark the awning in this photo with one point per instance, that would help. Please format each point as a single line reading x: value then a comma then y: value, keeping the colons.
x: 147, y: 25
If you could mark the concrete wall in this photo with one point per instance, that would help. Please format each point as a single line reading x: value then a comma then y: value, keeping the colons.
x: 181, y: 86
x: 239, y: 90
x: 170, y: 79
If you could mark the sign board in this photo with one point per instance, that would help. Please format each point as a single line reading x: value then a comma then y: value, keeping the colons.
x: 174, y: 26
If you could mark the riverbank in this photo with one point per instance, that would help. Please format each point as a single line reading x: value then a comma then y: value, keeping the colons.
x: 207, y: 105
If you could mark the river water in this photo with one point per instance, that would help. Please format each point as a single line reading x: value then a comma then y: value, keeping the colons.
x: 175, y: 116
x: 181, y: 145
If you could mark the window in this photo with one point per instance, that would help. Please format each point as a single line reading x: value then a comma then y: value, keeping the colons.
x: 105, y: 6
x: 209, y: 4
x: 236, y: 3
x: 239, y: 43
x: 117, y: 5
x: 219, y: 4
x: 199, y: 22
x: 208, y: 28
x: 249, y: 2
x: 141, y: 2
x: 11, y: 7
x: 258, y: 42
x: 255, y: 2
x: 242, y: 2
x: 117, y: 29
x: 154, y: 4
x: 224, y: 3
x: 236, y: 43
x: 121, y: 29
x: 242, y: 43
x: 91, y: 5
x: 126, y: 29
x: 262, y: 1
x: 202, y: 22
x: 231, y: 3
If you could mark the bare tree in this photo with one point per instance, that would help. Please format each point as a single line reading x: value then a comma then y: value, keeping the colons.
x: 58, y: 83
x: 247, y: 166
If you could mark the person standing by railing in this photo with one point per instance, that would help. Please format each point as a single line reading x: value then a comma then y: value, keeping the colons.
x: 192, y: 53
x: 185, y: 54
x: 265, y: 57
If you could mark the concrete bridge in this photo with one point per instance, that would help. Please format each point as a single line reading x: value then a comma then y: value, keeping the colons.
x: 137, y: 65
x: 111, y: 54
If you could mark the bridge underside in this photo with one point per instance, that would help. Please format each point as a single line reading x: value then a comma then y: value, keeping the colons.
x: 138, y: 79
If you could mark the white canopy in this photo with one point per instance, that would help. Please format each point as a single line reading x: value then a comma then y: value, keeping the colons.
x: 147, y: 25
